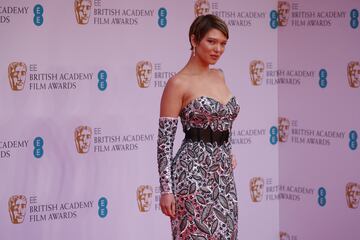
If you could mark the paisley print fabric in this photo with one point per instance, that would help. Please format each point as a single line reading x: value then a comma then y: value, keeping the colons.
x: 166, y: 136
x: 202, y: 176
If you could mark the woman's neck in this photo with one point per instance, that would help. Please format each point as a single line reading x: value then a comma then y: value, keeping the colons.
x: 196, y: 67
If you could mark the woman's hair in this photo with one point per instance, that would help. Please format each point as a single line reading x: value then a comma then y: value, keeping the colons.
x: 202, y: 24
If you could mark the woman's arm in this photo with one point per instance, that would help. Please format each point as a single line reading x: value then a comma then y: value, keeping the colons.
x: 170, y: 107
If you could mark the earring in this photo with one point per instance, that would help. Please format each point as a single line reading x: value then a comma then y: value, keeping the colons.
x: 194, y: 51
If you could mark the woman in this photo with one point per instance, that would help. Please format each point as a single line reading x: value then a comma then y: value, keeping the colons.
x: 197, y: 186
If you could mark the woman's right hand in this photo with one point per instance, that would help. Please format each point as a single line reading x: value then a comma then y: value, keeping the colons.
x: 167, y: 204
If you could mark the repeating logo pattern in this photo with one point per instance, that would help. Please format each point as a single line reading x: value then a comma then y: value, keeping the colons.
x: 353, y: 74
x: 280, y: 17
x: 38, y: 147
x: 256, y: 70
x: 17, y: 75
x: 256, y: 188
x: 264, y: 189
x: 284, y: 126
x: 353, y: 140
x: 283, y: 13
x: 144, y: 73
x: 150, y: 74
x: 144, y: 194
x: 274, y: 135
x: 352, y: 194
x: 47, y: 211
x: 234, y: 17
x: 162, y: 13
x: 17, y: 208
x: 300, y: 135
x: 354, y: 18
x: 102, y: 77
x: 201, y: 7
x: 264, y: 73
x: 322, y: 196
x: 99, y: 12
x: 82, y: 136
x: 82, y: 11
x: 294, y: 15
x: 323, y: 78
x: 38, y: 15
x: 148, y: 198
x: 102, y: 204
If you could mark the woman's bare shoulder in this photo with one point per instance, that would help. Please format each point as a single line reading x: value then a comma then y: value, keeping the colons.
x: 178, y: 81
x: 171, y: 100
x: 218, y: 73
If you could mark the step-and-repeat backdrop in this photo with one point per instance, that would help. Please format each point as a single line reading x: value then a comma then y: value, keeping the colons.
x: 81, y: 82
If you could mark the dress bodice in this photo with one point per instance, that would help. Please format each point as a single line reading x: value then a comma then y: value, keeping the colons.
x: 204, y: 112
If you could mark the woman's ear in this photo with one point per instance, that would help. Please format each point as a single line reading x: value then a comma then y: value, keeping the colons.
x: 193, y: 41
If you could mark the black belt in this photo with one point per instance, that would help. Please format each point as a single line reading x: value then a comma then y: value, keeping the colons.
x: 206, y: 135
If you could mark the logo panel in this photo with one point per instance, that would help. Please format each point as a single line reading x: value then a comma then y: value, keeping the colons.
x: 17, y: 75
x: 256, y: 70
x: 233, y: 17
x: 17, y: 208
x: 263, y: 189
x: 150, y: 74
x: 283, y: 13
x: 292, y: 14
x: 284, y: 126
x: 262, y: 72
x: 82, y: 10
x: 352, y: 194
x: 256, y: 188
x: 27, y: 76
x: 99, y: 12
x: 353, y: 74
x: 144, y: 73
x: 144, y: 194
x: 201, y: 7
x: 291, y: 130
x: 82, y: 137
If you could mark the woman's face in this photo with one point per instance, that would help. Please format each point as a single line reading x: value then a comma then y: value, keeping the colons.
x: 211, y: 47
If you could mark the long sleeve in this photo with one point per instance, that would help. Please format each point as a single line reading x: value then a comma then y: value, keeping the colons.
x: 165, y: 143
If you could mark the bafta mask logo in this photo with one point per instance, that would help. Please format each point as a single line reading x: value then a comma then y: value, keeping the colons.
x: 143, y: 73
x: 17, y: 75
x: 256, y: 189
x: 283, y: 13
x: 284, y: 236
x: 201, y: 7
x: 284, y: 125
x: 256, y: 70
x: 83, y: 138
x: 353, y: 73
x: 17, y: 208
x: 82, y: 11
x: 144, y: 196
x: 352, y: 195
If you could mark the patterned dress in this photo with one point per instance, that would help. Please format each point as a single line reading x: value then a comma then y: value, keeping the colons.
x: 202, y: 176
